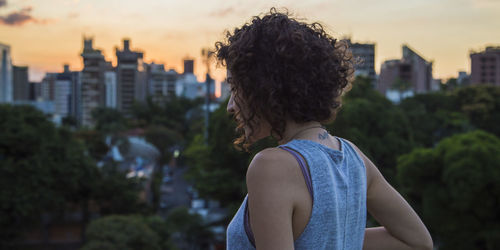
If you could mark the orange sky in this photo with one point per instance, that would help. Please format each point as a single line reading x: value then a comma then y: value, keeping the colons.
x: 46, y: 34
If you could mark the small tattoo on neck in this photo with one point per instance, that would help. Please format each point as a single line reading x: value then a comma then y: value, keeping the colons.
x: 323, y: 136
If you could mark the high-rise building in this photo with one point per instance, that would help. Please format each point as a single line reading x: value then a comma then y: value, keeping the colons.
x: 130, y: 84
x: 68, y: 94
x: 421, y: 70
x: 21, y: 84
x: 364, y: 56
x: 171, y: 77
x: 157, y: 82
x: 35, y: 91
x: 188, y: 66
x: 110, y: 77
x: 412, y: 70
x: 48, y: 86
x: 62, y: 100
x: 93, y: 89
x: 162, y: 84
x: 6, y: 90
x: 485, y: 66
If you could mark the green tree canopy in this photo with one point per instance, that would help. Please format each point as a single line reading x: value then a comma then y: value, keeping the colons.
x: 378, y: 127
x: 118, y: 232
x: 42, y: 169
x: 481, y: 104
x: 455, y: 187
x: 434, y: 116
x: 217, y: 169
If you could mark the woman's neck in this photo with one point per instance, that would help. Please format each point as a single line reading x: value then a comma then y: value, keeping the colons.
x: 295, y: 130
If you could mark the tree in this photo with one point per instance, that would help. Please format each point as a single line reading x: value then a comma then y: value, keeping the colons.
x: 94, y: 142
x: 378, y: 127
x: 434, y: 116
x: 108, y: 120
x: 36, y: 161
x: 455, y: 187
x: 118, y: 232
x: 217, y: 169
x: 481, y: 104
x: 164, y: 140
x: 117, y: 194
x: 188, y: 229
x: 401, y: 86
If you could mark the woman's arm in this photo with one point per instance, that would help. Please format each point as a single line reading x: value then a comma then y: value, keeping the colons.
x: 270, y: 199
x: 401, y: 227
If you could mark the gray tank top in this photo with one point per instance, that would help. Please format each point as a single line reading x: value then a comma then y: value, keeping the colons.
x: 337, y: 184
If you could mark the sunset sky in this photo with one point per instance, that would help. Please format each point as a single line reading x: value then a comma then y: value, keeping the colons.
x: 45, y: 34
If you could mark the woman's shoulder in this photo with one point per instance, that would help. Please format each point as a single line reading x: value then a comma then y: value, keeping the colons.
x: 273, y: 165
x: 271, y: 161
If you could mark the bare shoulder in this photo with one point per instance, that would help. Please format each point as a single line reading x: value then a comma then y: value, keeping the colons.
x: 270, y: 163
x: 271, y: 195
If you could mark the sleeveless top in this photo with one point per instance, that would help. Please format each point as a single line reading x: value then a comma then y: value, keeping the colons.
x: 336, y: 180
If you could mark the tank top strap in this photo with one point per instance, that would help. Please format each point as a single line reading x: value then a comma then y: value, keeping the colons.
x: 303, y: 167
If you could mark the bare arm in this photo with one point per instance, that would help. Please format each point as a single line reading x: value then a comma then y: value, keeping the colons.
x: 270, y: 197
x: 401, y: 227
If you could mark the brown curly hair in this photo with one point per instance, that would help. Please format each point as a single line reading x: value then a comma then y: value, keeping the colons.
x: 284, y: 69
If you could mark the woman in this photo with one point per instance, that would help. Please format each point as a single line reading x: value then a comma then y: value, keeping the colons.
x: 314, y: 189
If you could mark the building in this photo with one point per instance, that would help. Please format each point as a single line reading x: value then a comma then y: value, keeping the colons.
x: 463, y: 78
x: 6, y: 91
x: 62, y: 93
x: 157, y: 82
x: 171, y: 77
x: 485, y: 66
x: 404, y: 77
x: 21, y: 84
x: 130, y: 84
x: 162, y: 84
x: 93, y: 88
x: 188, y: 66
x: 35, y: 91
x: 110, y: 81
x: 190, y: 87
x: 421, y: 70
x: 67, y: 100
x: 364, y: 56
x: 48, y: 86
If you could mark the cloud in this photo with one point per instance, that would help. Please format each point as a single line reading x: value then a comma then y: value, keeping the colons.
x: 21, y: 17
x: 222, y: 12
x: 3, y: 3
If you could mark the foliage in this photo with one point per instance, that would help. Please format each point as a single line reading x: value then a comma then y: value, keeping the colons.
x: 36, y: 160
x: 164, y: 140
x: 375, y: 125
x: 108, y: 120
x: 176, y: 114
x: 187, y: 229
x: 121, y: 232
x: 434, y: 116
x: 117, y: 194
x: 94, y: 142
x: 481, y: 105
x: 455, y: 187
x: 217, y: 169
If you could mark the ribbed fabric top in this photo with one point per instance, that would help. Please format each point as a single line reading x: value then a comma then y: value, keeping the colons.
x: 338, y: 218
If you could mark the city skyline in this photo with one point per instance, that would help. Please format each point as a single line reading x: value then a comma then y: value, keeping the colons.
x: 44, y: 36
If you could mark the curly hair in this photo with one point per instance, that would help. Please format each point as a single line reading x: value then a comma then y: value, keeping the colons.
x: 283, y: 69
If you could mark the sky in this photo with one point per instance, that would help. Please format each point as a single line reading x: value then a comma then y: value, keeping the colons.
x: 45, y: 34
